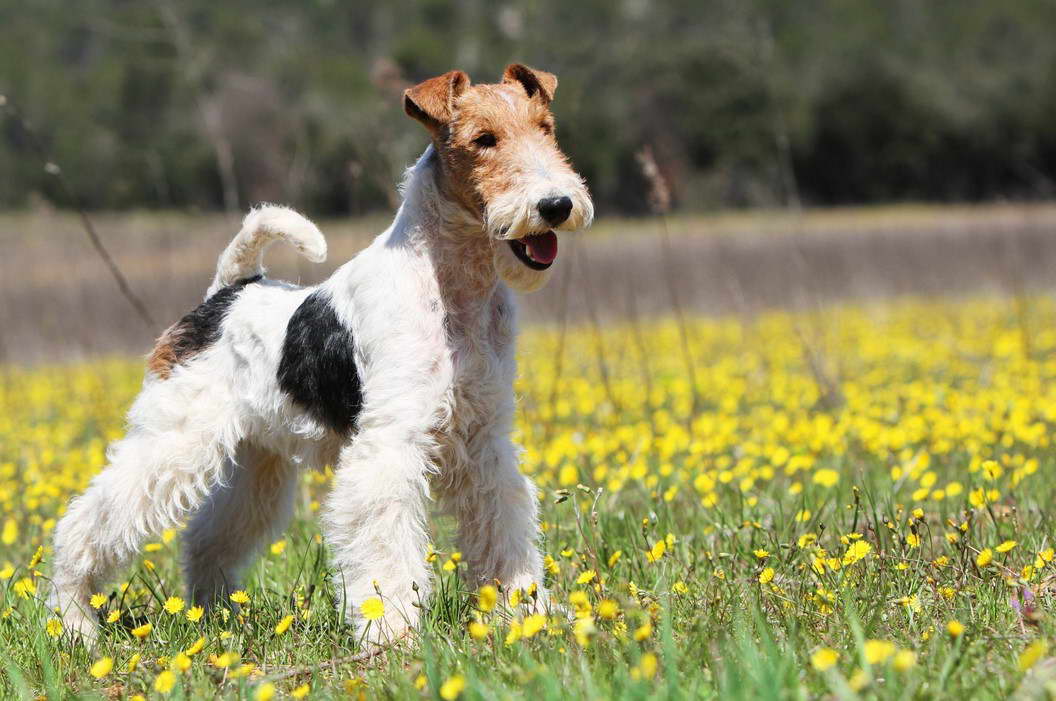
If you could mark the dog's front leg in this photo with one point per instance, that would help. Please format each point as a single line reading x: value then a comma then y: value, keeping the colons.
x: 497, y: 510
x: 375, y: 524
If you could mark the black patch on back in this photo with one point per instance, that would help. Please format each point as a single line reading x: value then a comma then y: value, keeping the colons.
x: 197, y: 330
x: 317, y: 369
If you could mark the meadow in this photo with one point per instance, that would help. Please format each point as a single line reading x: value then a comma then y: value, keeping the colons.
x: 849, y: 501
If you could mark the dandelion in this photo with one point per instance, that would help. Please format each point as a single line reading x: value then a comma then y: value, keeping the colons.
x: 1006, y: 546
x: 301, y: 691
x: 826, y: 477
x: 133, y: 662
x: 143, y: 630
x: 955, y: 628
x: 608, y: 609
x: 173, y: 605
x: 195, y: 613
x: 164, y: 682
x: 181, y: 662
x: 264, y: 692
x: 766, y: 576
x: 284, y: 625
x: 532, y: 625
x: 478, y: 630
x: 196, y: 647
x: 97, y: 601
x: 824, y: 658
x: 452, y: 688
x: 586, y: 577
x: 487, y: 597
x: 372, y: 608
x: 53, y: 627
x: 878, y: 651
x: 984, y: 558
x: 647, y: 666
x: 101, y: 667
x: 1032, y: 653
x: 225, y: 660
x: 904, y: 660
x: 643, y: 632
x: 240, y: 597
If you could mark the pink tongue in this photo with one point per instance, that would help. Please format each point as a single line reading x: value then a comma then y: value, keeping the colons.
x: 542, y: 247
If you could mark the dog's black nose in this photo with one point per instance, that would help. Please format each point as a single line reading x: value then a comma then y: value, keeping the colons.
x: 554, y: 210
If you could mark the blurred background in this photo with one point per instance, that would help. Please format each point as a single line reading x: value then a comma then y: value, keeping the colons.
x: 743, y: 154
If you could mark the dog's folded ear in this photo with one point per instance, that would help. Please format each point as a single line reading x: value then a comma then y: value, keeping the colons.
x: 432, y: 102
x: 534, y: 81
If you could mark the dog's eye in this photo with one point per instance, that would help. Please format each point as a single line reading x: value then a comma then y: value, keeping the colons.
x: 485, y: 140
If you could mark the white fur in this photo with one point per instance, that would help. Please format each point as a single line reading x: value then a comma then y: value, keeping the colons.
x: 217, y: 442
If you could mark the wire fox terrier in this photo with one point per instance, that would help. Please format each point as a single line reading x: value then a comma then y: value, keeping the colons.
x: 398, y: 370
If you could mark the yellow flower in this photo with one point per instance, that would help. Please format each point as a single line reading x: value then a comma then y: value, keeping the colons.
x: 913, y: 540
x: 478, y: 630
x: 7, y: 572
x: 10, y: 532
x: 181, y: 661
x: 824, y: 658
x: 532, y: 625
x: 133, y: 662
x: 174, y: 605
x: 647, y: 666
x: 955, y: 629
x: 53, y: 627
x: 1006, y: 546
x: 372, y: 608
x: 143, y: 630
x: 102, y: 667
x: 196, y: 647
x: 240, y: 597
x: 984, y: 558
x: 225, y: 659
x: 586, y: 576
x: 826, y: 477
x: 657, y: 551
x: 904, y: 660
x: 767, y: 575
x: 284, y: 625
x: 301, y: 691
x: 855, y: 552
x: 487, y: 597
x: 452, y: 688
x: 264, y: 692
x: 878, y: 651
x: 614, y: 558
x: 680, y: 587
x: 761, y: 554
x: 194, y: 614
x: 643, y: 631
x: 608, y: 609
x: 1033, y: 652
x: 583, y: 629
x: 97, y: 601
x: 278, y: 547
x: 164, y: 682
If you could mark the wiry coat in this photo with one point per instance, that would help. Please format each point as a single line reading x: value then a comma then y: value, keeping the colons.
x: 397, y: 370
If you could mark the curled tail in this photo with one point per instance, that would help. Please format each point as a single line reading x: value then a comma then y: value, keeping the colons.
x: 244, y: 256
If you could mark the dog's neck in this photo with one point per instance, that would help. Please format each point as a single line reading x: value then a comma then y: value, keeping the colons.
x: 435, y: 225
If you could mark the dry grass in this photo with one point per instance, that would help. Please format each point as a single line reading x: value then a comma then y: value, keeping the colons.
x: 57, y: 301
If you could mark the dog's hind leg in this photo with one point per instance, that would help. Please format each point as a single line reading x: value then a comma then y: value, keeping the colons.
x: 254, y: 504
x: 161, y: 472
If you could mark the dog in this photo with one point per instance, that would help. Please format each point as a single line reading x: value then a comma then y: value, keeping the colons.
x: 398, y: 371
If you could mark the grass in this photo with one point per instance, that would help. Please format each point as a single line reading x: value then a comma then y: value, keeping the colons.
x: 794, y: 520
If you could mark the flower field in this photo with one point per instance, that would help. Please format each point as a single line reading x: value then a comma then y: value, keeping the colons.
x: 850, y: 502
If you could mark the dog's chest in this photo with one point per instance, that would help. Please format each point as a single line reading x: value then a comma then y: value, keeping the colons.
x: 481, y: 356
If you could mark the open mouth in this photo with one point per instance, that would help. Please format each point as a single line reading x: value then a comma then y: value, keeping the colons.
x: 537, y: 251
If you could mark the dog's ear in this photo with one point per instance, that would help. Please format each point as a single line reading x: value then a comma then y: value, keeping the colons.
x: 432, y: 102
x: 534, y: 82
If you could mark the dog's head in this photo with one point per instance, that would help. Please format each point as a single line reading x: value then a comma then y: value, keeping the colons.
x: 500, y: 161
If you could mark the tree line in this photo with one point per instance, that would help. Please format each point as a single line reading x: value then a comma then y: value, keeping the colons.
x: 216, y: 105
